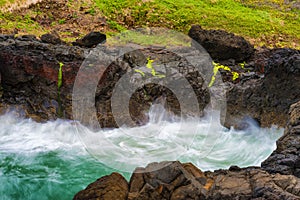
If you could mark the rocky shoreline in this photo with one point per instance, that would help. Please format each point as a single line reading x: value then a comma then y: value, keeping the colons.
x: 266, y: 90
x: 278, y: 178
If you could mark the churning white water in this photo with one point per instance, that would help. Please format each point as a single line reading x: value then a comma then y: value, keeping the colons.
x: 44, y: 159
x: 203, y: 142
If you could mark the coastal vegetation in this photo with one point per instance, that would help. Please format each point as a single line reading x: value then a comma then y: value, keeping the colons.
x: 273, y: 23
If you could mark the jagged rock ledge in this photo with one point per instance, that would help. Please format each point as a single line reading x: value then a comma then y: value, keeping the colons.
x: 29, y: 79
x: 265, y: 89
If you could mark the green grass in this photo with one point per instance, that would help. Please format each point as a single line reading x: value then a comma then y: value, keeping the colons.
x: 24, y: 24
x: 263, y: 22
x: 153, y: 36
x: 260, y: 23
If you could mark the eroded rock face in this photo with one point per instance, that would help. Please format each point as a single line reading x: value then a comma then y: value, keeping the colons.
x: 268, y: 98
x: 286, y: 158
x: 173, y: 66
x: 29, y: 71
x: 222, y: 45
x: 29, y: 78
x: 176, y: 181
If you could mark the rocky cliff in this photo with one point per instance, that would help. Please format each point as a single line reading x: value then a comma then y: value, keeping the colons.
x: 29, y: 79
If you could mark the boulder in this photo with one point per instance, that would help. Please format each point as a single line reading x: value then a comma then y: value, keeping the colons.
x: 90, y: 40
x: 51, y: 38
x: 109, y: 187
x: 222, y: 45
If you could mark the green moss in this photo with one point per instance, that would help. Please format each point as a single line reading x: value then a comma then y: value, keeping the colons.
x: 59, y: 84
x: 217, y: 66
x: 59, y: 76
x: 158, y: 37
x: 61, y: 21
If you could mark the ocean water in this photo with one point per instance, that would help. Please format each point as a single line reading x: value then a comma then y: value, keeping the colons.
x: 54, y: 160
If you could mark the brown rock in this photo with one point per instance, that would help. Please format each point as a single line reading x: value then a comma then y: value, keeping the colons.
x: 51, y: 38
x: 160, y: 180
x: 176, y: 181
x: 109, y: 187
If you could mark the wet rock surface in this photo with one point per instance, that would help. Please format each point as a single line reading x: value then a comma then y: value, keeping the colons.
x: 29, y: 71
x: 29, y: 78
x: 147, y: 85
x: 268, y: 96
x: 286, y: 158
x: 176, y: 181
x: 264, y: 90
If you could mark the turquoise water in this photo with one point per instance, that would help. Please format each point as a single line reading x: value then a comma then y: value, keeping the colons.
x: 49, y: 160
x: 44, y: 161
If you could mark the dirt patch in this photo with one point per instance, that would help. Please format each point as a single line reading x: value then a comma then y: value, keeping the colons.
x: 69, y: 20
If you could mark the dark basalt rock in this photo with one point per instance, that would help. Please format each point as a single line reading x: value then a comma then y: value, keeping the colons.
x: 286, y: 158
x: 222, y: 45
x: 268, y: 98
x: 90, y: 40
x: 145, y: 96
x: 51, y: 38
x: 29, y: 74
x: 27, y: 38
x: 29, y: 71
